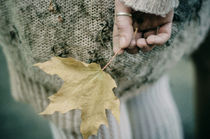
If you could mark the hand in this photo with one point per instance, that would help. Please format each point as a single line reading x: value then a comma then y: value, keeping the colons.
x: 153, y: 30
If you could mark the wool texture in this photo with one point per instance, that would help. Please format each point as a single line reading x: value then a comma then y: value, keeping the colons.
x: 152, y: 114
x: 34, y: 31
x: 158, y: 7
x: 31, y: 33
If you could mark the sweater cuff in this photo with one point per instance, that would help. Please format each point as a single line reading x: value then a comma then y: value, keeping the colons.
x: 157, y: 7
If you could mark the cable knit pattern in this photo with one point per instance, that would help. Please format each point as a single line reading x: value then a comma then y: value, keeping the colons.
x: 30, y: 33
x: 155, y: 112
x: 158, y: 7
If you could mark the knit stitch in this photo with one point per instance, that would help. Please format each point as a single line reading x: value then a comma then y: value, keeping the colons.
x: 158, y: 7
x: 31, y: 33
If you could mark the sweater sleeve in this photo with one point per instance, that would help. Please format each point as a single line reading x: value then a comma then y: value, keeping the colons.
x: 158, y: 7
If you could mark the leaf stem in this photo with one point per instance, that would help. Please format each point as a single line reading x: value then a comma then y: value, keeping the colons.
x: 112, y: 58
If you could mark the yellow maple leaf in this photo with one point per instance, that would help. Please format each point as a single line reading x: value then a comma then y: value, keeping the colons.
x: 86, y: 87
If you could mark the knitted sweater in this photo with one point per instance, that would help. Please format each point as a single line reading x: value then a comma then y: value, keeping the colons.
x: 30, y: 33
x: 33, y: 31
x: 158, y: 7
x: 150, y: 115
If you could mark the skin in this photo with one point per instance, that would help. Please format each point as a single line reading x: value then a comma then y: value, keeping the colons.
x: 153, y: 30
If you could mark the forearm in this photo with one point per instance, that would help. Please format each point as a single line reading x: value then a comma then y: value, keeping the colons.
x: 158, y: 7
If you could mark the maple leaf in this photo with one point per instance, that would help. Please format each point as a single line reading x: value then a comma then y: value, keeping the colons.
x: 86, y: 87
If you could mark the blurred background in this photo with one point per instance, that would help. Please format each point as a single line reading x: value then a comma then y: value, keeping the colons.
x: 19, y: 121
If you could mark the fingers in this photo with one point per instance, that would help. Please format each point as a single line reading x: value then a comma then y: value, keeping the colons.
x: 152, y: 21
x: 141, y: 43
x: 123, y: 29
x: 134, y: 40
x: 116, y: 44
x: 151, y: 32
x: 132, y: 49
x: 162, y: 36
x: 123, y: 38
x: 155, y: 37
x: 152, y: 37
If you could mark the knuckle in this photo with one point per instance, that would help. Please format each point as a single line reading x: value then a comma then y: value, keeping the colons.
x: 122, y: 23
x: 115, y: 35
x: 121, y: 26
x: 126, y: 37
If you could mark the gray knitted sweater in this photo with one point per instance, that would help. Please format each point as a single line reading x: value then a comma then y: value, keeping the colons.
x: 33, y: 31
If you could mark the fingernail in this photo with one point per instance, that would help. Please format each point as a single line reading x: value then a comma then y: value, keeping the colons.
x: 150, y: 45
x: 133, y: 43
x: 122, y: 42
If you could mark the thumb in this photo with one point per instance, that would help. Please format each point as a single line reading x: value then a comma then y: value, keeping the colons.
x: 123, y: 29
